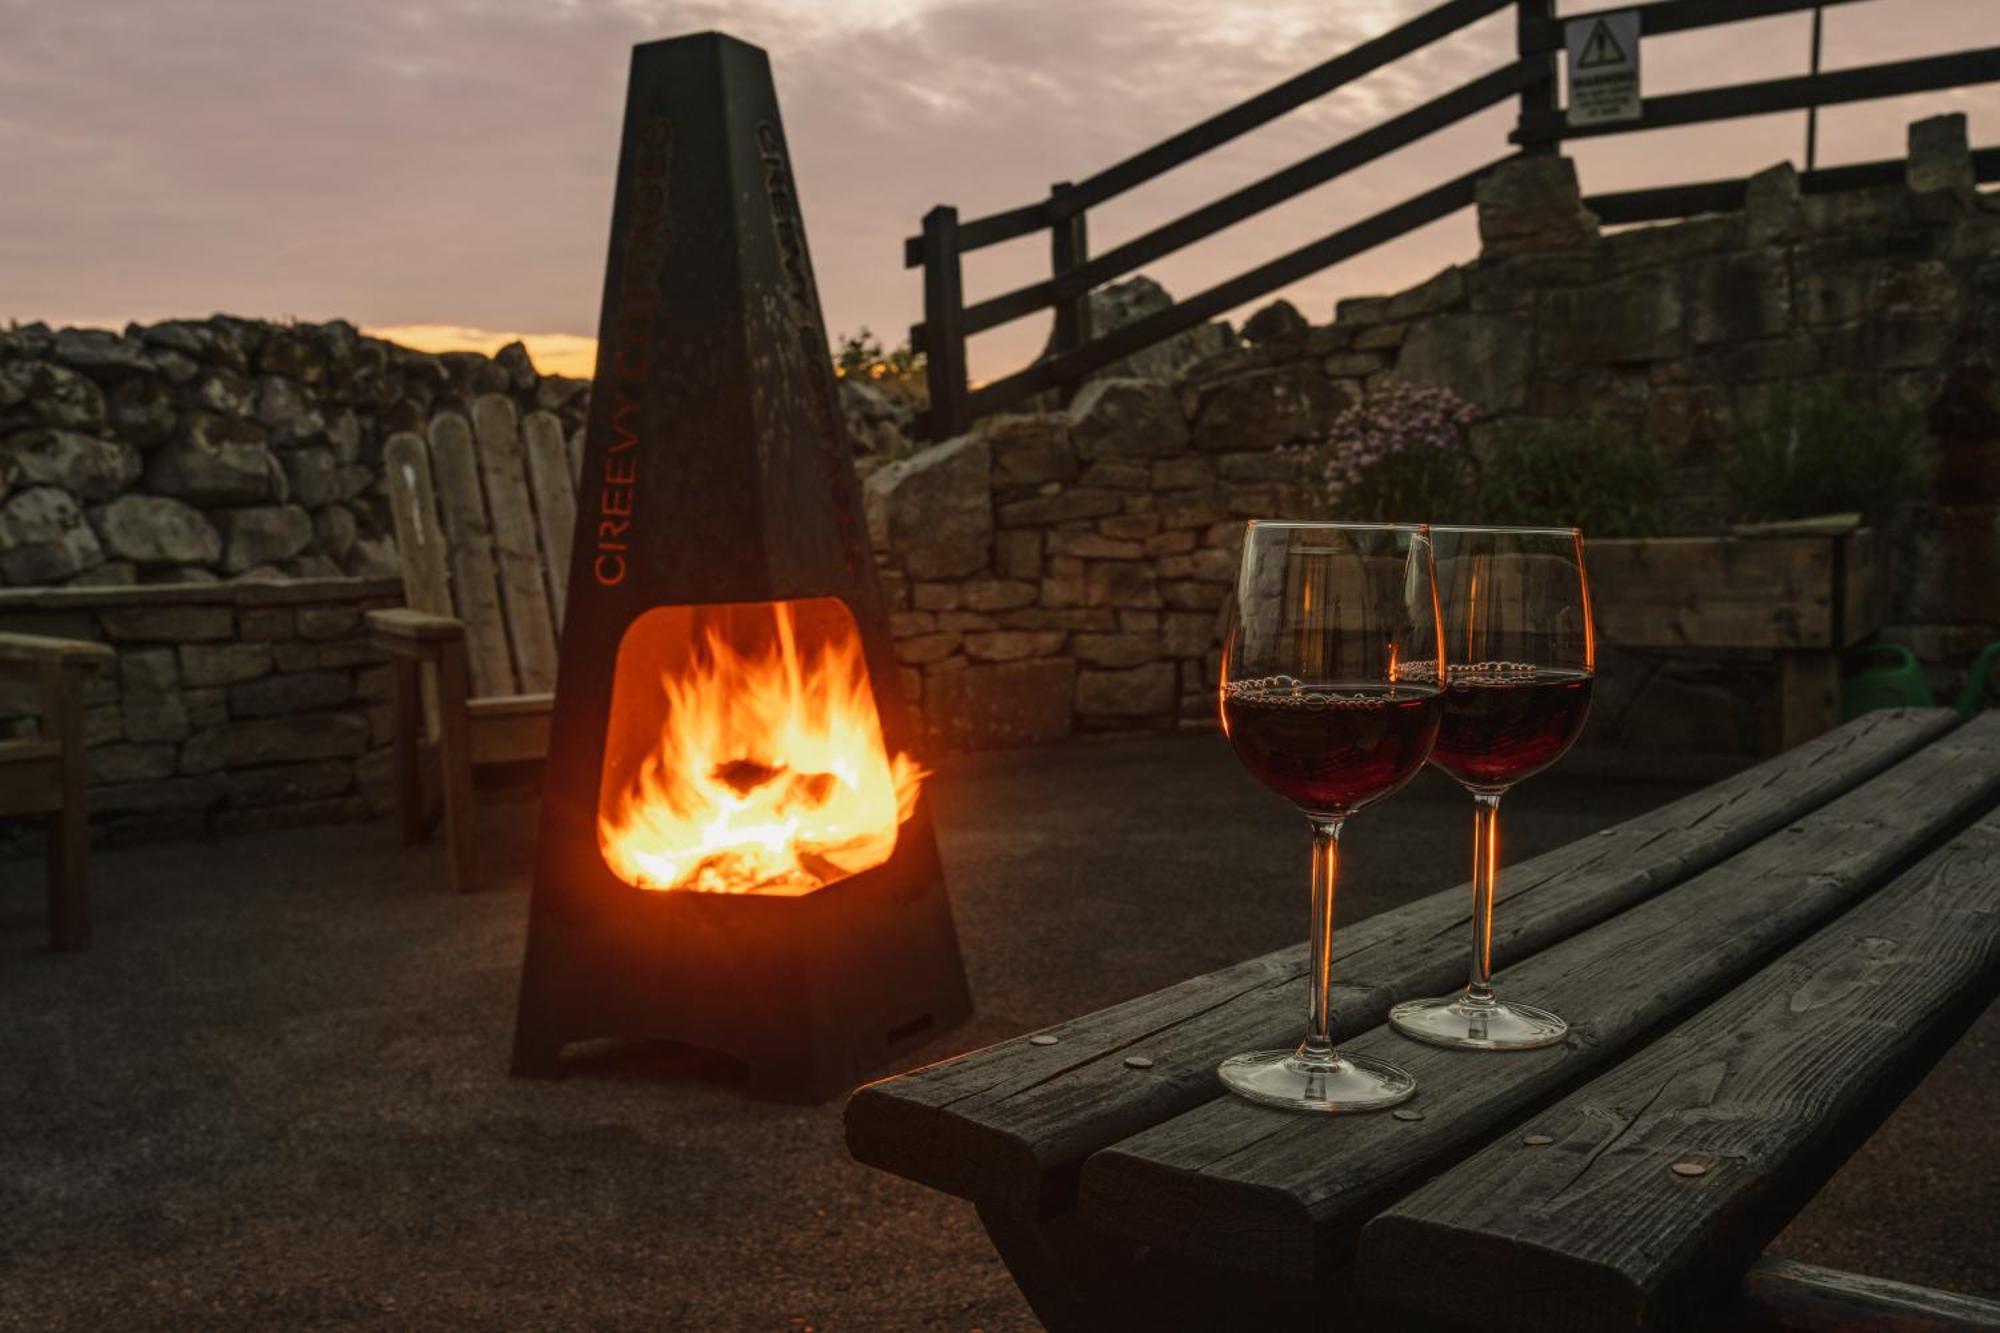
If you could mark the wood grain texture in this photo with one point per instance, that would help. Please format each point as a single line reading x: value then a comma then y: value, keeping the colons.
x: 1780, y: 1296
x: 1808, y: 694
x: 1768, y: 1089
x: 406, y: 472
x: 30, y: 777
x: 69, y: 834
x: 469, y: 546
x: 1248, y: 1187
x: 517, y: 551
x: 455, y: 757
x: 507, y: 738
x: 549, y: 477
x: 41, y: 648
x: 1716, y: 592
x: 1011, y: 1125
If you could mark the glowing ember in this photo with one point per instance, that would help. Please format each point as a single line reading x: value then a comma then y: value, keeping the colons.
x: 770, y: 774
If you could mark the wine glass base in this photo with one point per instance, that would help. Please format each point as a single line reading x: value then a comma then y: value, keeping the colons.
x: 1497, y: 1026
x: 1348, y: 1083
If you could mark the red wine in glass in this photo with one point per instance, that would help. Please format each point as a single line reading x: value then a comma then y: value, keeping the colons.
x: 1331, y: 666
x: 1330, y: 748
x: 1503, y: 722
x: 1516, y: 607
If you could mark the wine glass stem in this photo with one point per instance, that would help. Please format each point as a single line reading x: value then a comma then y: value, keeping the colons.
x: 1318, y: 1045
x: 1485, y: 882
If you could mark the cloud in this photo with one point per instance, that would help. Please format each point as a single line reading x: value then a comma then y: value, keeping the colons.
x: 432, y: 162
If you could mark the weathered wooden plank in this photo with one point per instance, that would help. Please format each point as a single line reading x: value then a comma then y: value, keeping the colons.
x: 30, y: 777
x: 469, y: 547
x: 1808, y: 694
x: 1865, y: 590
x: 1717, y: 592
x: 1010, y: 1125
x: 406, y: 472
x: 1664, y: 1178
x: 549, y: 475
x: 1248, y: 1187
x: 508, y: 738
x: 1780, y: 1296
x: 69, y: 834
x: 524, y: 585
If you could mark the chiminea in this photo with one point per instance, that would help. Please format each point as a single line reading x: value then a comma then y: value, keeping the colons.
x: 735, y: 849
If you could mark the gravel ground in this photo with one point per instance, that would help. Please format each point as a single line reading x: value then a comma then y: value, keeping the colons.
x: 275, y: 1095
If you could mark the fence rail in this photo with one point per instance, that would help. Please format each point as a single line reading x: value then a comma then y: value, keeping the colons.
x: 1540, y: 126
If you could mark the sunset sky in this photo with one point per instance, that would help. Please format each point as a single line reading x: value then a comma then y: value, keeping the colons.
x: 443, y: 167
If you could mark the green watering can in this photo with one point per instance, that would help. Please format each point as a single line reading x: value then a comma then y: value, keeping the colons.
x: 1887, y: 675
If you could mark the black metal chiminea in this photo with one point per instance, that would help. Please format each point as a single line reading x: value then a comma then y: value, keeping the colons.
x: 718, y: 487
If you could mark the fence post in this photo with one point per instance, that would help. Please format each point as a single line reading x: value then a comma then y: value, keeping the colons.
x: 944, y: 324
x: 1539, y: 96
x: 1069, y: 249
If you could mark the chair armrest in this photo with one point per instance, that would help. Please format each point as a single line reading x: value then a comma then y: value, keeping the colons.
x: 39, y: 648
x: 408, y: 633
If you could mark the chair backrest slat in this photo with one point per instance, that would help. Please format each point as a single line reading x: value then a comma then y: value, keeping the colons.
x: 406, y: 466
x: 555, y: 501
x: 524, y: 587
x: 469, y: 535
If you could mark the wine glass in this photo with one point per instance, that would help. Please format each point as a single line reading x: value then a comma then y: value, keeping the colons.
x: 1517, y: 630
x: 1330, y: 698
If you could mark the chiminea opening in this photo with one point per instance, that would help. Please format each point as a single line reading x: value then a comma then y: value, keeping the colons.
x: 744, y: 754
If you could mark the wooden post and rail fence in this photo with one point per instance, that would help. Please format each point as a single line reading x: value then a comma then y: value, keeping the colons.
x: 1542, y: 124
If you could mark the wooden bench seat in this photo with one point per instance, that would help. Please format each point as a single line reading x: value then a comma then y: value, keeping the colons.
x: 1109, y: 1160
x: 1695, y: 1152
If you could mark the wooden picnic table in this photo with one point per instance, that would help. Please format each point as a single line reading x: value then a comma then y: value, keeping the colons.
x: 1755, y: 975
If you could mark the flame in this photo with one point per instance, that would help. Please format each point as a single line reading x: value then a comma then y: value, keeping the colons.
x: 770, y: 774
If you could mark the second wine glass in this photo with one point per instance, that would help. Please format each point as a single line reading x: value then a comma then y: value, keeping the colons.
x: 1519, y: 639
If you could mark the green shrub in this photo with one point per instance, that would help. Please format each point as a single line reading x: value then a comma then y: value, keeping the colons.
x: 1827, y: 450
x: 1584, y: 473
x: 898, y: 373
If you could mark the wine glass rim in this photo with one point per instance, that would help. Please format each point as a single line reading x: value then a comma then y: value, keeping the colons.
x: 1335, y: 523
x: 1537, y: 530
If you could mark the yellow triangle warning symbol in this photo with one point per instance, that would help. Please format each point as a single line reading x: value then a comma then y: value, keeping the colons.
x: 1601, y: 49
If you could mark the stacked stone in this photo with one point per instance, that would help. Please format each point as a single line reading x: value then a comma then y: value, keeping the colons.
x: 191, y: 451
x: 1070, y: 570
x: 233, y: 706
x: 1064, y: 570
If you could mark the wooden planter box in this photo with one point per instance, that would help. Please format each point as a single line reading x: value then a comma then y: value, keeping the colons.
x: 1804, y: 590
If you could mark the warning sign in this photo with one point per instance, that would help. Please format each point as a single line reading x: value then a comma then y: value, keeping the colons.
x: 1603, y: 67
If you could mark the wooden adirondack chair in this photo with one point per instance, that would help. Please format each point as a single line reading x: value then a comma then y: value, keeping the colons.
x: 484, y: 515
x: 45, y: 776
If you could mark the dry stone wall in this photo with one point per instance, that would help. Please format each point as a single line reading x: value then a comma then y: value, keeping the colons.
x: 230, y: 705
x: 198, y: 450
x: 1065, y: 570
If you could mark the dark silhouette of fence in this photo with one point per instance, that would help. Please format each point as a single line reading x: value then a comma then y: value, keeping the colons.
x: 1540, y: 127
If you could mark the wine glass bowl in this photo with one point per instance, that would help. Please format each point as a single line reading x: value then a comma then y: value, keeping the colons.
x: 1329, y: 697
x: 1518, y: 632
